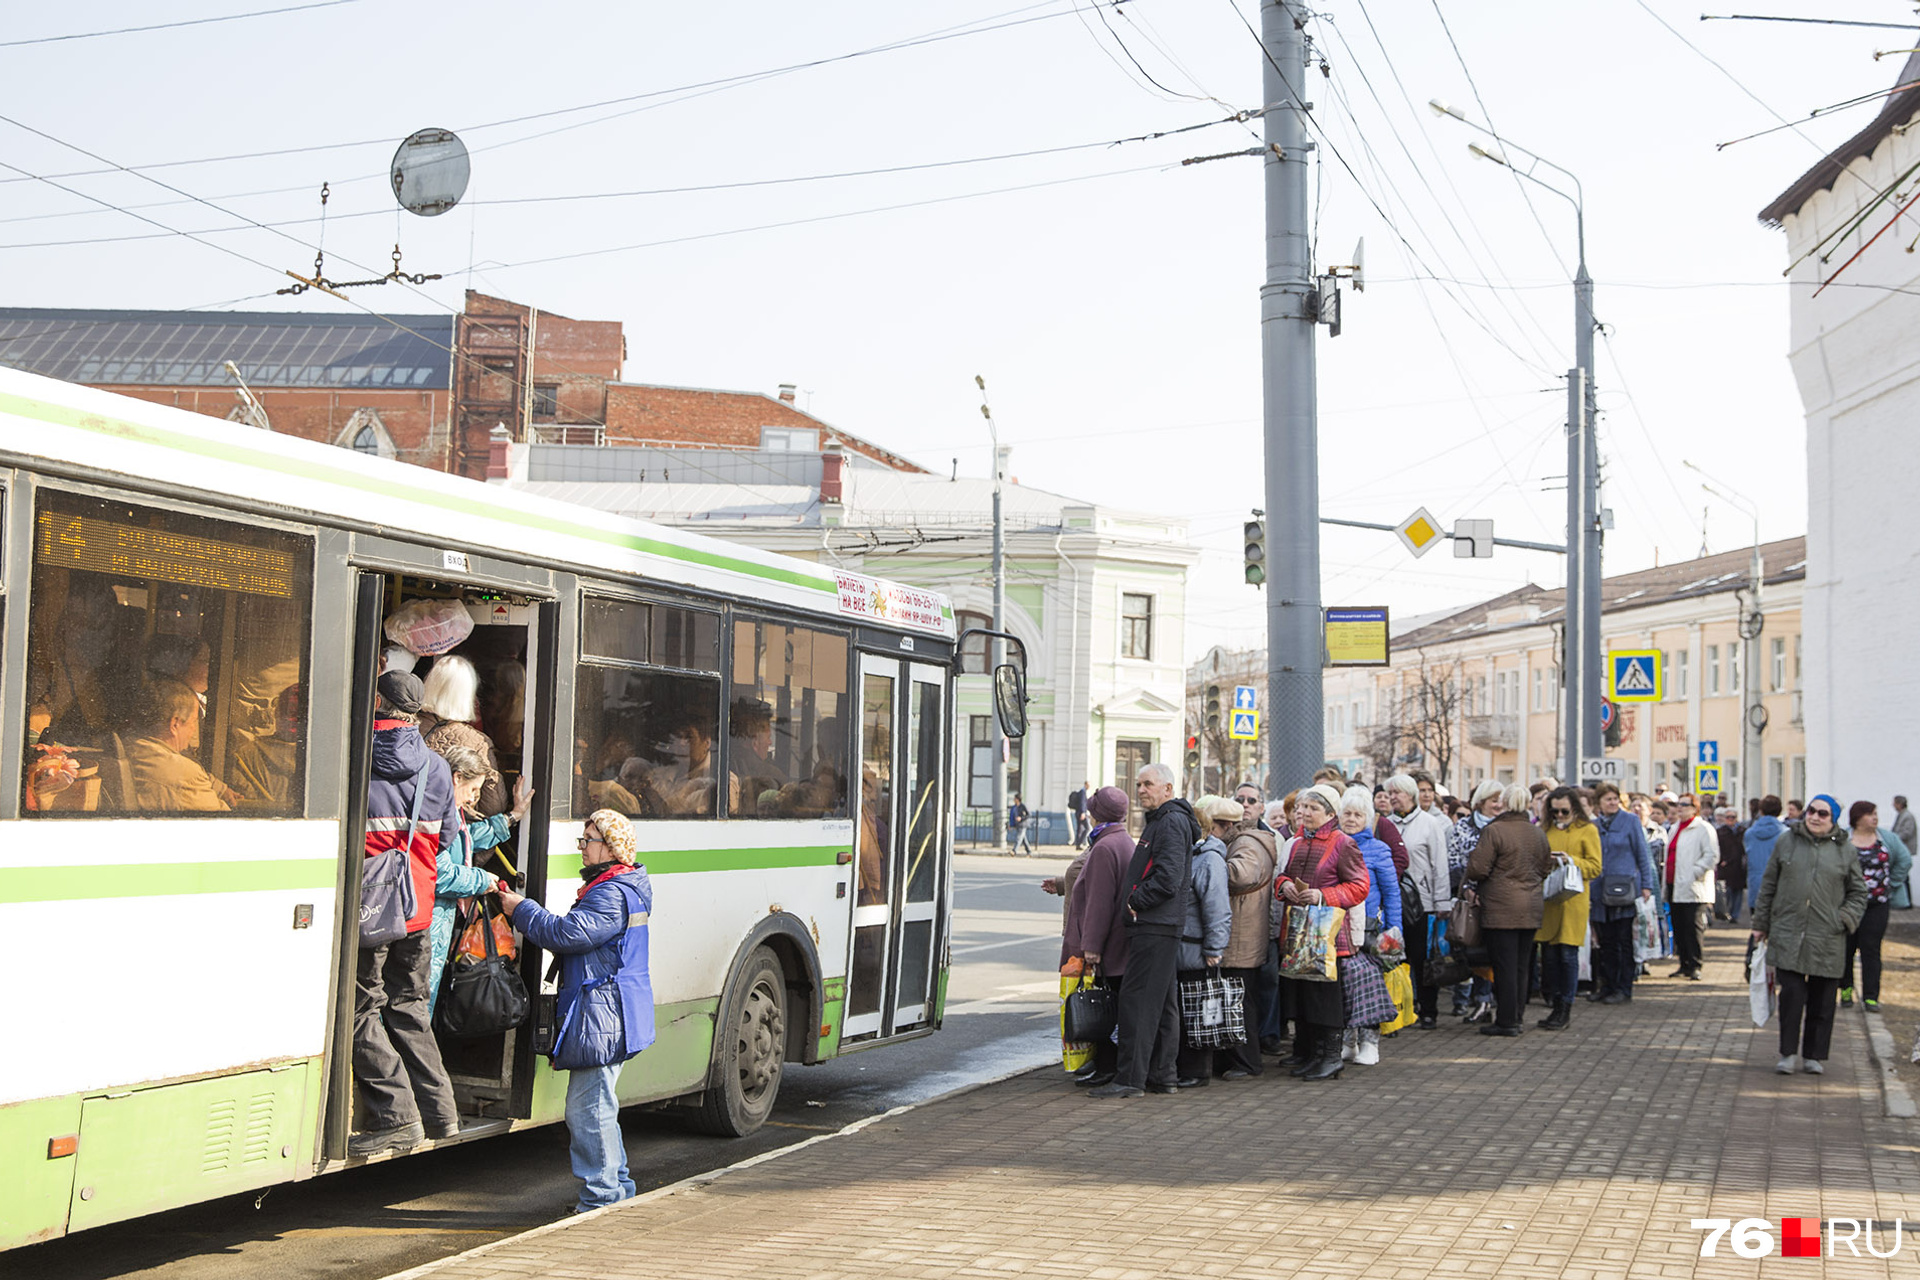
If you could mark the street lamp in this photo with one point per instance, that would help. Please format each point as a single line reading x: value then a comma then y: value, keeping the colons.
x: 1584, y: 685
x: 1753, y: 714
x: 997, y: 653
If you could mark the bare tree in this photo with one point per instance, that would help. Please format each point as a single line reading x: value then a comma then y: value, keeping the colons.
x: 1430, y: 711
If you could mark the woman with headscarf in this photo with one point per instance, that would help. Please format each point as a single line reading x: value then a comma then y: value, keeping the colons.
x: 1505, y: 872
x: 605, y: 1010
x: 1363, y: 983
x: 1095, y: 932
x: 1812, y: 896
x: 1324, y: 867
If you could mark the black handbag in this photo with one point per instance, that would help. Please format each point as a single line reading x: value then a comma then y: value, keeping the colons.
x: 1089, y: 1015
x: 1618, y: 890
x: 480, y: 997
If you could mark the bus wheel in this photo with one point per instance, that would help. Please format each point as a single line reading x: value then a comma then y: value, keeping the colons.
x: 749, y: 1049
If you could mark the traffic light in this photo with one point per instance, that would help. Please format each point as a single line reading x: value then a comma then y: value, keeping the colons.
x: 1193, y: 751
x: 1253, y: 536
x: 1213, y: 706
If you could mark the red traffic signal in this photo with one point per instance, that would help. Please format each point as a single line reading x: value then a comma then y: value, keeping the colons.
x: 1193, y: 741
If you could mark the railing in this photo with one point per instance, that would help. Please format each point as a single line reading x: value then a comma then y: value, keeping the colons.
x: 1497, y: 732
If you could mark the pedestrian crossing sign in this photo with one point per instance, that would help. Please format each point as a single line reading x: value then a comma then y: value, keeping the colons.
x: 1244, y: 726
x: 1636, y: 674
x: 1706, y: 779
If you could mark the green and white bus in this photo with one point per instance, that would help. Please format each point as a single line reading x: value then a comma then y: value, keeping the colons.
x: 182, y: 941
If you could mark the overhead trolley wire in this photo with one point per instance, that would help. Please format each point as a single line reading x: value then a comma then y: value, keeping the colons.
x: 167, y: 26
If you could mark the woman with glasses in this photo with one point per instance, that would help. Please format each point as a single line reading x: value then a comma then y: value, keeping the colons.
x: 1883, y: 867
x: 1563, y: 929
x: 1811, y: 897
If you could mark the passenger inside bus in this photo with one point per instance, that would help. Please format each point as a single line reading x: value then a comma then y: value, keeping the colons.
x: 165, y: 778
x: 756, y: 779
x: 172, y: 689
x: 448, y: 714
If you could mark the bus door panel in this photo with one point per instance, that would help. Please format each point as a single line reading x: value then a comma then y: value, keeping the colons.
x: 369, y: 612
x: 875, y: 839
x: 924, y: 846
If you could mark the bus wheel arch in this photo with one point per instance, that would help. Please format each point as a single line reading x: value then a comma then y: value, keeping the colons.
x: 772, y: 998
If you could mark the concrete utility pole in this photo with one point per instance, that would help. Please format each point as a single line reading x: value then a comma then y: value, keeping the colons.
x: 998, y: 649
x: 1753, y: 624
x: 1295, y: 646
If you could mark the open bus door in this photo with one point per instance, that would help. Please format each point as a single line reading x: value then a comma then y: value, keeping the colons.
x: 492, y: 1075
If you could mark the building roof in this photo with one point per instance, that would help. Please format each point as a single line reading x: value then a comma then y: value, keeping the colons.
x: 1531, y: 606
x: 191, y: 348
x: 730, y: 419
x: 1896, y: 111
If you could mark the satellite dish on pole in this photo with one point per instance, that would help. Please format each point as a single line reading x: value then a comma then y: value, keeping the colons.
x: 429, y: 172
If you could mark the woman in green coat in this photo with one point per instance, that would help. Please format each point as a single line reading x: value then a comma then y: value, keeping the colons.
x: 1812, y: 896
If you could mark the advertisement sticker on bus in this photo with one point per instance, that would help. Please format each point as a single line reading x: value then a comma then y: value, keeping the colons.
x: 903, y: 606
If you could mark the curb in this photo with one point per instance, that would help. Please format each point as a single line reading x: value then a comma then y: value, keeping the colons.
x: 700, y: 1180
x: 1895, y: 1099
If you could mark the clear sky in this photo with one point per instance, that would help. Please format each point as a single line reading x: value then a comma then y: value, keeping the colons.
x: 1108, y: 294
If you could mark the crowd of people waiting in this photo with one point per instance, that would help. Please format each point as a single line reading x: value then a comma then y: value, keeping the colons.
x: 1206, y: 891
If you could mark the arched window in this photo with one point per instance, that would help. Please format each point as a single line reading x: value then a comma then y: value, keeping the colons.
x: 973, y: 652
x: 367, y: 442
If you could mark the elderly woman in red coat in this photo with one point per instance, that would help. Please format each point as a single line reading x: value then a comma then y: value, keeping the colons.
x: 1321, y: 867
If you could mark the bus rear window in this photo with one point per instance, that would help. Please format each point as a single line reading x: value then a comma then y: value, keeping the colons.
x: 166, y: 663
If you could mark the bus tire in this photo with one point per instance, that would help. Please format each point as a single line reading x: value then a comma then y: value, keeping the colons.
x: 749, y: 1050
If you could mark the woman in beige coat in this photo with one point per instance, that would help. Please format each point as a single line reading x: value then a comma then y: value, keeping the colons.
x: 1505, y: 872
x: 1251, y: 856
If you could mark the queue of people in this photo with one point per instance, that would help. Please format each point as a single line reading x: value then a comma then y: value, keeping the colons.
x: 1512, y: 886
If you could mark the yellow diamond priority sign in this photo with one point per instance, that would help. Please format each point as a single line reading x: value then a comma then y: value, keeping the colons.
x: 1420, y: 531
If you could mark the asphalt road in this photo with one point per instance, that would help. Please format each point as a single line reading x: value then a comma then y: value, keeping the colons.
x: 370, y: 1222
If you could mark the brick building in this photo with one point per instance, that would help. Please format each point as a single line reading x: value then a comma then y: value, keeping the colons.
x: 426, y: 389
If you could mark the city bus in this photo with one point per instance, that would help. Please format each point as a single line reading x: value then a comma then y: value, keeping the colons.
x: 179, y: 897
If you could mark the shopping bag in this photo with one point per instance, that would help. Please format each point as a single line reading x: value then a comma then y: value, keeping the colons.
x: 1074, y: 1054
x: 1564, y: 881
x: 1309, y: 949
x: 1646, y: 931
x: 1445, y: 965
x: 1389, y: 947
x: 1364, y: 998
x: 472, y: 943
x: 1213, y: 1012
x: 1400, y: 988
x: 1760, y: 992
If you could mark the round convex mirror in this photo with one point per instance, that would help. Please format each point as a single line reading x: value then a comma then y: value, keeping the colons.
x: 430, y: 172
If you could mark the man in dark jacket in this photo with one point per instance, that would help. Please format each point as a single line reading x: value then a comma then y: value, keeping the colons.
x: 605, y: 1009
x: 1156, y: 912
x: 402, y: 1092
x: 1730, y: 873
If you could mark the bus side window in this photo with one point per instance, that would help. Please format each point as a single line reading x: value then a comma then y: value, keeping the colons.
x: 786, y: 721
x: 647, y: 710
x: 166, y: 663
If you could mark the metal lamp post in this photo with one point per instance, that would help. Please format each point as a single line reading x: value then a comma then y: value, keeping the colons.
x: 1753, y: 713
x: 1585, y: 685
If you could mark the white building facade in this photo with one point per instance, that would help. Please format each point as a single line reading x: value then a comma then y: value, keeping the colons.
x: 1855, y: 352
x: 1096, y: 595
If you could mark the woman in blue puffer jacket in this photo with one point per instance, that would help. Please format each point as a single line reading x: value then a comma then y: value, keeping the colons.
x: 1369, y: 995
x: 605, y: 1012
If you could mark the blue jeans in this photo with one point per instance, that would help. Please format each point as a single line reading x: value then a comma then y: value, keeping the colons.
x: 1559, y: 971
x: 593, y: 1122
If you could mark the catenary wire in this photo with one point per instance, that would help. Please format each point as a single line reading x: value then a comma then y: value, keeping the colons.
x: 168, y: 26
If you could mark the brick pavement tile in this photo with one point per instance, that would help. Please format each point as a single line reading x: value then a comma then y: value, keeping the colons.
x: 1579, y: 1155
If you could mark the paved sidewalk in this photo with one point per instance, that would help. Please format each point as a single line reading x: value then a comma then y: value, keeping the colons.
x: 1581, y: 1155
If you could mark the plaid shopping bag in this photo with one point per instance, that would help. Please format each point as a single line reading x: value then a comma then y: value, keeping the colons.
x: 1213, y: 1012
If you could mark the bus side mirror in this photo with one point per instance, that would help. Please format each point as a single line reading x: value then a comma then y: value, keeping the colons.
x: 1010, y: 699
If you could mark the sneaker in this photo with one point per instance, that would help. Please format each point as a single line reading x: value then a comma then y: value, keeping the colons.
x: 1368, y: 1054
x: 1615, y: 997
x: 1787, y: 1065
x: 1871, y: 1006
x: 1428, y: 1022
x: 1846, y: 997
x: 1481, y: 1013
x: 1814, y: 1067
